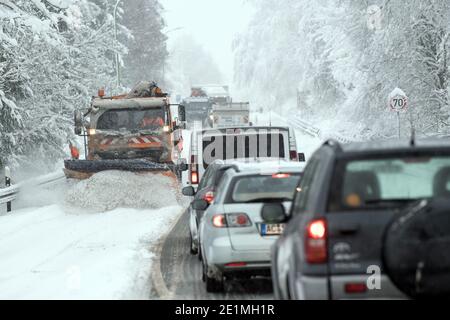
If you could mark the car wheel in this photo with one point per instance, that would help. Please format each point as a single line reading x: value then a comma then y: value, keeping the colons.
x: 200, y: 255
x: 291, y: 279
x: 193, y: 250
x: 212, y: 284
x: 275, y: 280
x: 288, y: 288
x: 415, y: 250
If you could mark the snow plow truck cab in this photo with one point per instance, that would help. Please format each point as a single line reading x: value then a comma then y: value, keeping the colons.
x: 135, y: 132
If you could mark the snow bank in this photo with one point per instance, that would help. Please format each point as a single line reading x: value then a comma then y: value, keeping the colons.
x: 109, y: 190
x: 89, y: 239
x: 48, y: 254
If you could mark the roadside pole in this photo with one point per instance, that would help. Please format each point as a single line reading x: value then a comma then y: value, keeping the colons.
x: 398, y: 102
x: 6, y: 173
x: 8, y: 184
x: 116, y: 7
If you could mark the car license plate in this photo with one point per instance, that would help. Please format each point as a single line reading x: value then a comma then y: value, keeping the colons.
x: 272, y: 229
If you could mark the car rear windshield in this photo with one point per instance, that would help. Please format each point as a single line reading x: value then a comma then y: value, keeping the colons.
x: 243, y: 146
x: 392, y: 182
x: 149, y: 119
x: 263, y: 188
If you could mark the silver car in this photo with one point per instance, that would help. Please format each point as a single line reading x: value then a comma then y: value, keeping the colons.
x: 234, y: 241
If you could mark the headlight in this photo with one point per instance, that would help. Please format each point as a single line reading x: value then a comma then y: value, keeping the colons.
x: 166, y: 129
x: 92, y: 132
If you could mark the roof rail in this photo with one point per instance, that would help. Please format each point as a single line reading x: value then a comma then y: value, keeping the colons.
x: 333, y: 144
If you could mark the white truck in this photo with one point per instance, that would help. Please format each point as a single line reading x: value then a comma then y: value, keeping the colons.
x: 239, y: 143
x: 229, y: 115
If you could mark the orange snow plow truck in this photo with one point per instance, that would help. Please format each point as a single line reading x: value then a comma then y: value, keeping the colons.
x: 135, y: 132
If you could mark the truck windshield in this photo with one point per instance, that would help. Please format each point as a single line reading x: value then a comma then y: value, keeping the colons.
x: 392, y: 182
x: 149, y: 119
x: 197, y: 111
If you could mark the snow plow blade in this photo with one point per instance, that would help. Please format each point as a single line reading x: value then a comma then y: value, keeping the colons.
x: 84, y: 169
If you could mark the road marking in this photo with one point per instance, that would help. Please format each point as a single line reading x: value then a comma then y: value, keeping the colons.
x: 157, y: 278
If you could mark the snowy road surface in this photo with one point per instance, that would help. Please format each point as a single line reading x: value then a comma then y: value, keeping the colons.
x: 59, y: 251
x: 97, y: 239
x: 181, y: 273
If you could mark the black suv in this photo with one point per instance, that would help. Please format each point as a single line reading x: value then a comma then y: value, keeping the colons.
x: 364, y: 222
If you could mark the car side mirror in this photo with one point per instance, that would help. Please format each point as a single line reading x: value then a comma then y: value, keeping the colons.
x: 181, y: 113
x: 301, y: 157
x: 188, y: 191
x: 78, y: 119
x: 274, y: 213
x: 200, y: 205
x: 183, y: 167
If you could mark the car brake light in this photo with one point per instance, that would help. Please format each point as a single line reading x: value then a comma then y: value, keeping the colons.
x: 209, y: 197
x: 294, y: 155
x: 232, y: 220
x: 238, y: 220
x: 194, y: 170
x: 219, y: 221
x: 355, y: 287
x: 281, y: 175
x: 315, y: 242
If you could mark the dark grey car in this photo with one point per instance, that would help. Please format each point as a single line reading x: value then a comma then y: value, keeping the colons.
x: 333, y: 246
x: 206, y: 191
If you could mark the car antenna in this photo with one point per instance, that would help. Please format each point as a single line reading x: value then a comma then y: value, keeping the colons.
x: 270, y: 118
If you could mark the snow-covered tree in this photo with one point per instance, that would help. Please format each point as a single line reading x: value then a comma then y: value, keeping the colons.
x: 53, y: 57
x: 146, y: 43
x: 344, y: 57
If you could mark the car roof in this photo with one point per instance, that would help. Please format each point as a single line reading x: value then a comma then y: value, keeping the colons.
x: 261, y: 165
x: 390, y: 146
x: 223, y: 130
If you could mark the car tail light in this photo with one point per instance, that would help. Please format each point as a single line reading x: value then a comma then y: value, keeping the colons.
x: 236, y: 264
x: 194, y: 177
x: 238, y: 220
x: 194, y: 170
x: 232, y: 220
x: 316, y: 242
x: 209, y: 197
x: 355, y: 287
x: 219, y: 221
x: 293, y: 155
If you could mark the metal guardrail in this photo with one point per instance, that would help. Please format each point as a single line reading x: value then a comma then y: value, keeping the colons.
x: 299, y: 124
x: 9, y: 194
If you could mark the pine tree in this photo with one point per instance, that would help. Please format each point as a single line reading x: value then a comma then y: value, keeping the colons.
x: 147, y: 51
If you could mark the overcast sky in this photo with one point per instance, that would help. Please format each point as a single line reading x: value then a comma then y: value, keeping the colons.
x: 213, y: 23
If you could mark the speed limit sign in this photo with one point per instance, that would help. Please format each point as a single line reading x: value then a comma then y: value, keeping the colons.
x: 398, y: 101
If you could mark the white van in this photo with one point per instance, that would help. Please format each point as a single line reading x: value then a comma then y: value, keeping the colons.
x: 239, y: 143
